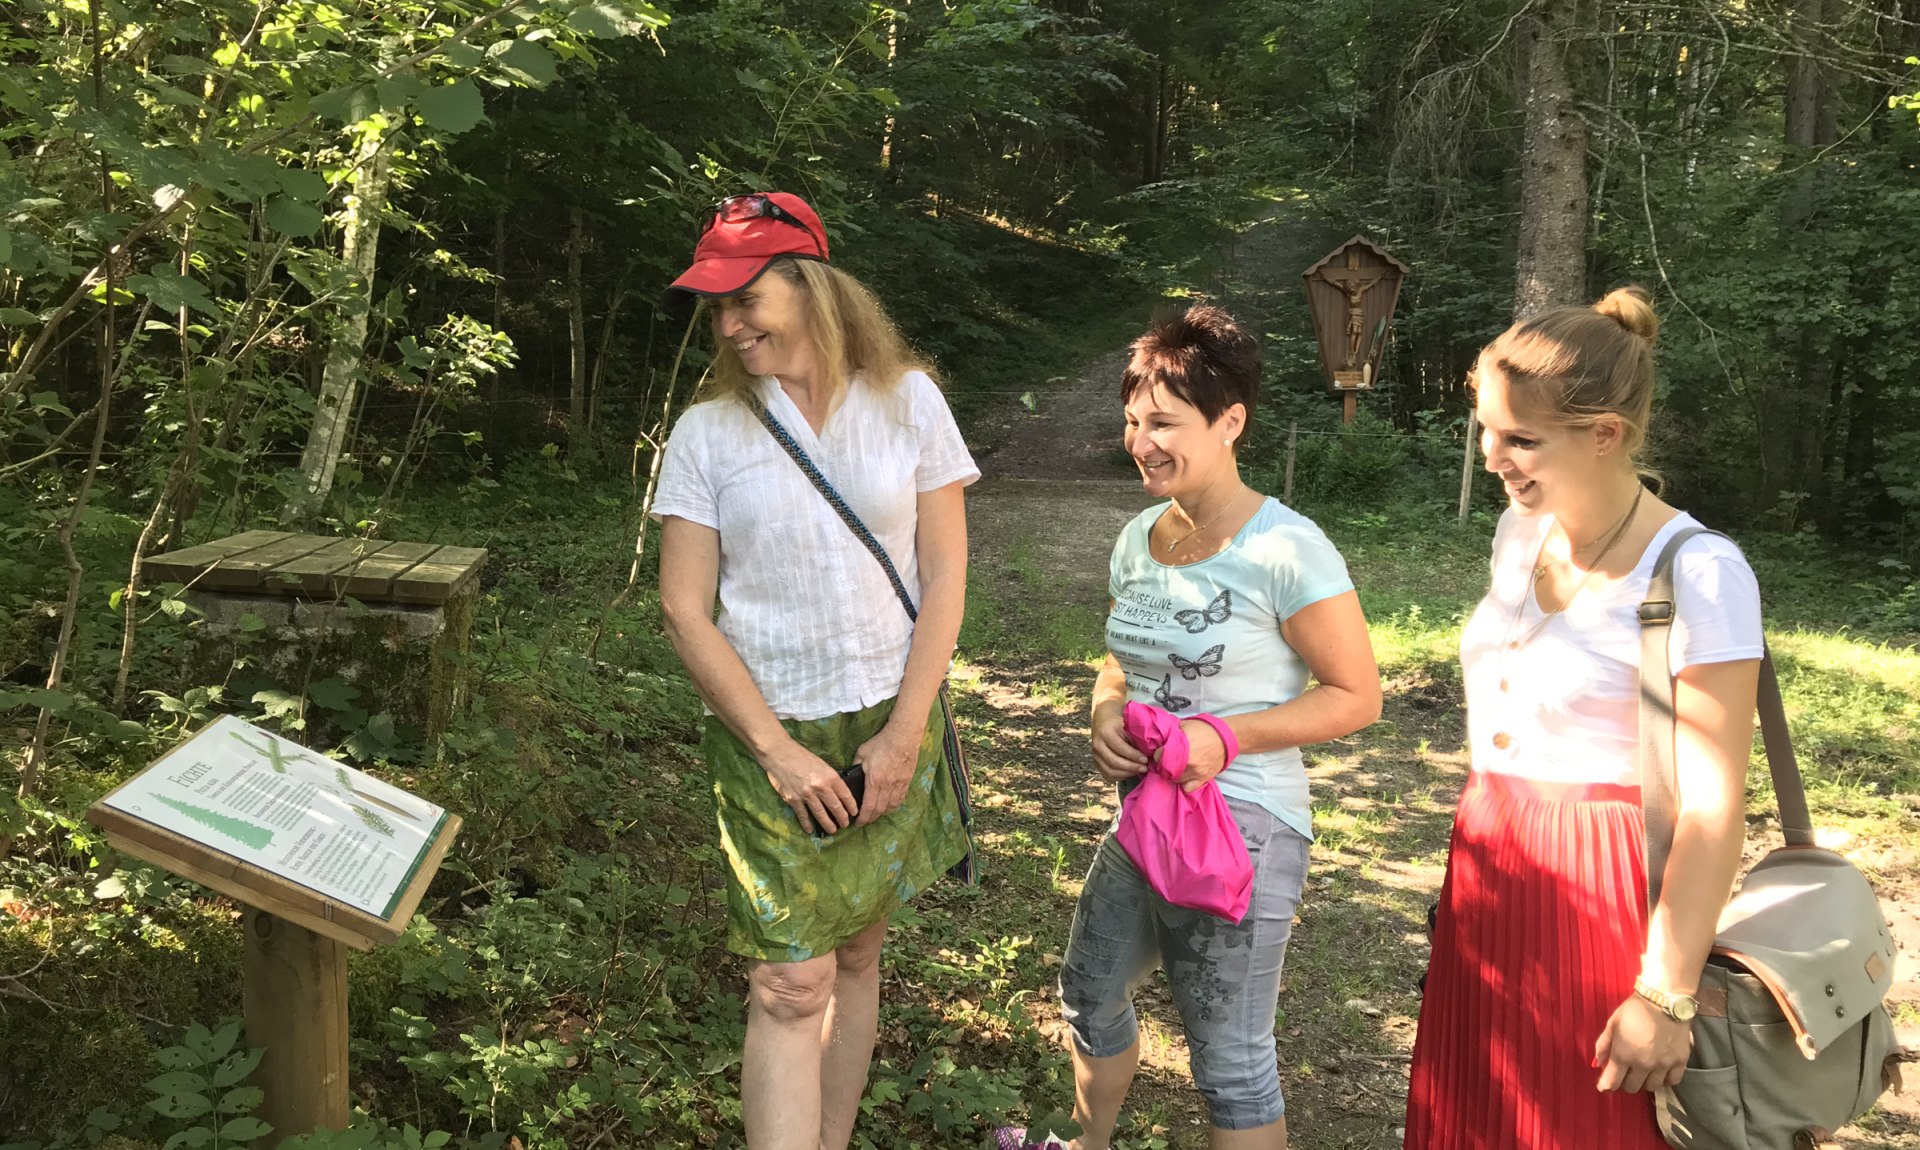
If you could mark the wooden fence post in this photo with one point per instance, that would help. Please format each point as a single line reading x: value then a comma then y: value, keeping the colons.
x: 1293, y: 439
x: 1466, y: 462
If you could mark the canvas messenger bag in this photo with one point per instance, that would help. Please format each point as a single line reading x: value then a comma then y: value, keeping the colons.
x: 1792, y: 1040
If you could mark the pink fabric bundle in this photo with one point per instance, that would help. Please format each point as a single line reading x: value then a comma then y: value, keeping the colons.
x: 1186, y: 845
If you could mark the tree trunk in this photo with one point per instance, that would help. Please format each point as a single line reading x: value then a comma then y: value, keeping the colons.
x: 1150, y: 153
x: 1796, y: 411
x: 1605, y: 19
x: 340, y: 378
x: 1806, y: 76
x: 1862, y: 420
x: 499, y: 281
x: 1693, y: 112
x: 1550, y: 267
x: 499, y: 265
x: 1162, y: 133
x: 596, y: 382
x: 576, y: 330
x: 893, y: 53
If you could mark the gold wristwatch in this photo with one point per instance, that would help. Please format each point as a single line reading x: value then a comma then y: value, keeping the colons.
x: 1679, y: 1007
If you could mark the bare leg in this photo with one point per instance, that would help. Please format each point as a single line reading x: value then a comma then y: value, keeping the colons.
x: 1099, y: 1087
x: 847, y: 1043
x: 780, y: 1072
x: 1272, y: 1136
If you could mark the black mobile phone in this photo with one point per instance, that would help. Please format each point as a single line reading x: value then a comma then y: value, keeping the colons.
x: 855, y: 777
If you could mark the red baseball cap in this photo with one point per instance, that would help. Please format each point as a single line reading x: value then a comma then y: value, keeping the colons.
x: 746, y: 233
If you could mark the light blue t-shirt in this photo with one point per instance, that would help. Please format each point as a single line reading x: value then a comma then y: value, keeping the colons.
x: 1205, y: 638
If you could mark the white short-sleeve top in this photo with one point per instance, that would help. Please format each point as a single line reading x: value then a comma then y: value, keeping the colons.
x: 802, y: 600
x: 1564, y: 705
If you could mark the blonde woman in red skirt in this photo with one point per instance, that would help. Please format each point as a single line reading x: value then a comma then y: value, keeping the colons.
x: 1553, y: 1007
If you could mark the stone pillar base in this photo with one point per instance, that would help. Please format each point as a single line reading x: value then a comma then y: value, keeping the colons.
x: 404, y: 660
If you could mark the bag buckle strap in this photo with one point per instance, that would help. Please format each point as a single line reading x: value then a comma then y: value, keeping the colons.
x: 1655, y: 612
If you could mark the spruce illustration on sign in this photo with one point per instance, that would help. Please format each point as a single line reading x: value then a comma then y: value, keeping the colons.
x: 348, y: 789
x: 238, y: 829
x: 374, y: 822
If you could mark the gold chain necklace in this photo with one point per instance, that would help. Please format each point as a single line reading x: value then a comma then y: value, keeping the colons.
x: 1541, y: 564
x: 1533, y: 583
x: 1203, y: 526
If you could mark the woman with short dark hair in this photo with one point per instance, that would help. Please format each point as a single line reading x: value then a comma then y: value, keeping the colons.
x: 1226, y: 604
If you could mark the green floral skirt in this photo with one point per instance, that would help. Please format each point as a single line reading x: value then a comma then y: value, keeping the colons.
x: 791, y: 895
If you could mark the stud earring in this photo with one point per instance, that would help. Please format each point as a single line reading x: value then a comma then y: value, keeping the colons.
x: 1226, y: 443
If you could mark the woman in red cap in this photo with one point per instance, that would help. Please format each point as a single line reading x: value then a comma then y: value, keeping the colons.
x: 815, y: 496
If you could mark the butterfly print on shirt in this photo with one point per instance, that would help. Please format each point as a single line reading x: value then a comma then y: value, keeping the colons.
x: 1218, y: 611
x: 1163, y: 695
x: 1207, y: 665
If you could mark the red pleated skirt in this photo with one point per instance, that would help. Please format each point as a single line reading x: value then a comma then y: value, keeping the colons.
x: 1538, y: 937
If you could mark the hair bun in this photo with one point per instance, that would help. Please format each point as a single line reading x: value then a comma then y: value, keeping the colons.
x: 1631, y: 308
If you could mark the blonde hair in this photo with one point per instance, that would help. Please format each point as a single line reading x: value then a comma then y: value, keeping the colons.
x: 852, y: 334
x: 1577, y: 365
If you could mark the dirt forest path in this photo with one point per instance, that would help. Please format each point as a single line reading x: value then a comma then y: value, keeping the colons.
x: 1057, y: 489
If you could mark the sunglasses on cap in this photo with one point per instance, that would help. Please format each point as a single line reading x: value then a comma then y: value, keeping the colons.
x: 754, y: 206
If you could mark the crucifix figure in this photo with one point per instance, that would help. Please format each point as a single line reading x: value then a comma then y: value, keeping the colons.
x: 1353, y: 282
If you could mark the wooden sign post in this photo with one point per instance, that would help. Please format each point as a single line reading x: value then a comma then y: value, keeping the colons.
x: 1352, y: 294
x: 323, y: 857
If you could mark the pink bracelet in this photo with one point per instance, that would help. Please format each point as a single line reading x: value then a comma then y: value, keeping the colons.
x: 1227, y: 738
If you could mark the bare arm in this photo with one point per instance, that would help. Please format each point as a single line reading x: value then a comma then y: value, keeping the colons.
x: 689, y: 587
x: 940, y: 543
x: 1713, y: 734
x: 1331, y: 637
x: 1114, y: 755
x: 1641, y: 1047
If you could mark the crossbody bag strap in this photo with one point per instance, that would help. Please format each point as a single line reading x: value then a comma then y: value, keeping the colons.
x: 1657, y: 777
x: 967, y: 869
x: 839, y: 505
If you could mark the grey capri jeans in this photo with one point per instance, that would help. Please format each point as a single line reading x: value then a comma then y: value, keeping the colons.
x: 1225, y: 977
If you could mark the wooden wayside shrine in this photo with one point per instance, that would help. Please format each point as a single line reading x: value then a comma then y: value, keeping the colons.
x: 1352, y: 294
x: 323, y: 566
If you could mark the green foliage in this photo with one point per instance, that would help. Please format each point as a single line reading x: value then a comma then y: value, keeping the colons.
x: 1909, y: 101
x: 369, y: 1133
x: 101, y: 1123
x: 201, y: 1090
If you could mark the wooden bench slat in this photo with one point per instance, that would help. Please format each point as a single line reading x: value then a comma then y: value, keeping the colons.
x: 246, y: 572
x: 186, y: 564
x: 372, y: 578
x: 322, y: 572
x: 439, y: 578
x: 278, y: 562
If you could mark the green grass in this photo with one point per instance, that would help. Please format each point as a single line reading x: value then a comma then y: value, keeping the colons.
x: 1013, y: 616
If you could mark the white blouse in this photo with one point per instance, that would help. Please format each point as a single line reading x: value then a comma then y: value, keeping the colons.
x: 802, y: 600
x: 1564, y: 705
